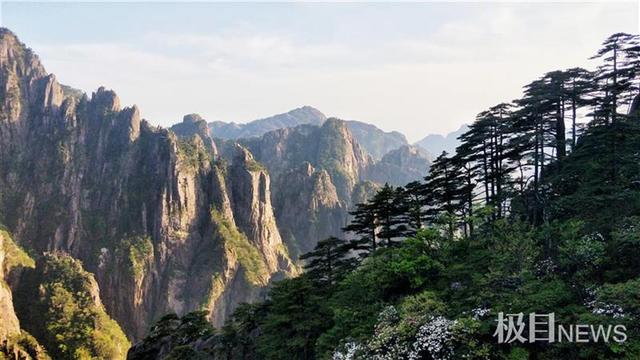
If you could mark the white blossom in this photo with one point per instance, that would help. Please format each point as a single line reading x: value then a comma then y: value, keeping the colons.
x: 350, y: 351
x: 434, y: 337
x: 480, y: 312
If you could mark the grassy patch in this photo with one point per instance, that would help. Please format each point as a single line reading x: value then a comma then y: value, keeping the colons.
x: 14, y: 255
x: 253, y: 165
x: 137, y: 250
x: 248, y: 255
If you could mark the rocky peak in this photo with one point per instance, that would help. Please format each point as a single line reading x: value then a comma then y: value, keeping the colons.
x: 192, y: 119
x: 307, y: 112
x: 194, y: 125
x: 52, y: 93
x: 106, y: 100
x: 15, y: 56
x: 341, y: 155
x: 130, y: 118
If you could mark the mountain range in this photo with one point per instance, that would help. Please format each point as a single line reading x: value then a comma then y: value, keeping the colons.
x: 120, y: 222
x: 374, y: 140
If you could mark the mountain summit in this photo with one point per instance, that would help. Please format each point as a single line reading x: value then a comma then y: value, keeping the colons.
x: 299, y: 116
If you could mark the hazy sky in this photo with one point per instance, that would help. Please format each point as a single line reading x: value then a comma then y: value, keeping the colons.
x: 417, y: 68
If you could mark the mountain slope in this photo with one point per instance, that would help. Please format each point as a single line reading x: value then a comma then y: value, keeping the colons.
x: 375, y: 141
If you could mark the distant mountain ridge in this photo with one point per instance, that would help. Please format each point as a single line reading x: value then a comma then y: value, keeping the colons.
x: 299, y: 116
x: 374, y: 140
x: 435, y: 144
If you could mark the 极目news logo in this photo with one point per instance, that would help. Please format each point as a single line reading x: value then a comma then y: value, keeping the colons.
x: 543, y: 328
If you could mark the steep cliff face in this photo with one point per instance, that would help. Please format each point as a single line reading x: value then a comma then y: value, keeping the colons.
x: 308, y: 208
x: 322, y: 172
x: 161, y: 225
x: 331, y: 147
x: 315, y: 170
x: 9, y: 324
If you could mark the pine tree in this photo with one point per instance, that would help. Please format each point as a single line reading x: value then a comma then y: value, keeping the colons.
x: 413, y: 203
x: 443, y: 191
x: 617, y: 76
x: 387, y: 207
x: 580, y: 84
x: 364, y: 225
x: 330, y: 261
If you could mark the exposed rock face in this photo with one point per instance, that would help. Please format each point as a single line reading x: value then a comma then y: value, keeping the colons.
x: 15, y: 343
x: 308, y: 208
x: 375, y: 141
x: 401, y: 166
x: 194, y: 125
x: 152, y: 216
x: 331, y: 147
x: 320, y: 173
x: 9, y: 324
x: 315, y: 170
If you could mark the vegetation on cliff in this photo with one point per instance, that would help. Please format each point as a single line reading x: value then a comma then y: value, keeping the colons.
x: 247, y: 254
x: 58, y: 302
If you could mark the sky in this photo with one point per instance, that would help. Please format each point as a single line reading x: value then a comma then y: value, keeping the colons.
x: 418, y: 68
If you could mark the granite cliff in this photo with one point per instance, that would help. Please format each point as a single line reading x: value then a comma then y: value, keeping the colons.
x: 162, y: 223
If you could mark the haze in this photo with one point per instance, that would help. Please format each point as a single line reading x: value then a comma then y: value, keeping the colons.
x: 418, y: 68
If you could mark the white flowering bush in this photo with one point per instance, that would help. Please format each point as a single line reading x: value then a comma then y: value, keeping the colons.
x: 600, y: 307
x: 388, y: 342
x: 349, y: 351
x: 480, y: 312
x: 412, y: 333
x: 545, y: 267
x: 434, y: 338
x: 612, y: 310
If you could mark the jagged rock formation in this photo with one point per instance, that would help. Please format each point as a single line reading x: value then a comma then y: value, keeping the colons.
x: 330, y: 146
x: 320, y: 173
x: 162, y: 225
x: 400, y: 166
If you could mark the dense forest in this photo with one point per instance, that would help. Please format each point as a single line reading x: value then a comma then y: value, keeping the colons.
x: 536, y: 212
